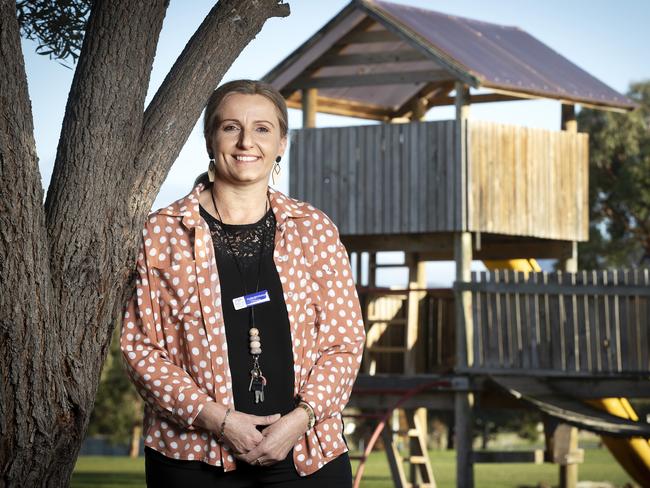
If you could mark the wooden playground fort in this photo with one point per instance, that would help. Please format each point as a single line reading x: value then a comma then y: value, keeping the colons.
x: 572, y: 344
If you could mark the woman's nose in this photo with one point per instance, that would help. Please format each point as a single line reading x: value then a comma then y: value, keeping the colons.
x: 245, y: 138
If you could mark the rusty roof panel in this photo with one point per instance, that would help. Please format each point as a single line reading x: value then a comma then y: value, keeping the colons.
x: 501, y: 57
x: 490, y: 55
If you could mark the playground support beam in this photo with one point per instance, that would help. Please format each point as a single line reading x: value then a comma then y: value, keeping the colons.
x: 463, y: 400
x: 570, y: 124
x: 569, y: 470
x: 309, y: 107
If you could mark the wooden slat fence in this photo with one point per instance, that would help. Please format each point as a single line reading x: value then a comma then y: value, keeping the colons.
x: 590, y: 322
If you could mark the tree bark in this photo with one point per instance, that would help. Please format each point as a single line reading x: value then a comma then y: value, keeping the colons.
x: 25, y: 297
x: 66, y: 266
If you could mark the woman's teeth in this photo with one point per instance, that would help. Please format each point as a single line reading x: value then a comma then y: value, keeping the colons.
x: 246, y: 158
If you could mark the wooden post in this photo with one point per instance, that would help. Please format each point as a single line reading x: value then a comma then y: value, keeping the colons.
x: 462, y: 171
x: 562, y: 448
x: 419, y: 109
x: 464, y: 342
x: 309, y: 107
x: 419, y: 473
x: 136, y: 434
x: 357, y: 266
x: 569, y: 122
x: 569, y: 468
x: 570, y: 263
x: 566, y: 437
x: 464, y: 400
x: 372, y: 269
x: 417, y: 279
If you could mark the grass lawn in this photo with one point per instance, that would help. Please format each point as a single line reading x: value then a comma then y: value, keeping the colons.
x: 122, y: 472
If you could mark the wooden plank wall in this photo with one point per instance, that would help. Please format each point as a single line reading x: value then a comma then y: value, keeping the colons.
x: 590, y: 322
x: 379, y: 179
x: 529, y: 182
x: 403, y: 178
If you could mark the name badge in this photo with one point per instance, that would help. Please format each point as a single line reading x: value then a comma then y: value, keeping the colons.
x: 251, y: 300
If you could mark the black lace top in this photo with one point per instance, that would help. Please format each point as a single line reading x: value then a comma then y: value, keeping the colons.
x: 244, y: 240
x: 271, y: 318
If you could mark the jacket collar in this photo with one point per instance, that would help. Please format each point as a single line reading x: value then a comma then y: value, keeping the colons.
x: 187, y: 207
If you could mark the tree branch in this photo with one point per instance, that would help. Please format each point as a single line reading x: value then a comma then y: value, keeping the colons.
x: 100, y: 133
x: 174, y: 110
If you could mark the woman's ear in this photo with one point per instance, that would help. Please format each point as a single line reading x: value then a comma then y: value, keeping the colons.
x: 283, y: 145
x: 209, y: 149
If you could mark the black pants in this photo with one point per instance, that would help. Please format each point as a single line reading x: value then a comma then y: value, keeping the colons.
x: 164, y: 472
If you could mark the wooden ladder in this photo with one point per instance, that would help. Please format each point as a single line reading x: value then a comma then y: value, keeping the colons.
x: 420, y: 472
x: 380, y: 314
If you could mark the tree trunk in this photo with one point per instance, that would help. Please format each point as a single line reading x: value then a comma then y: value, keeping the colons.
x: 65, y: 268
x: 136, y: 434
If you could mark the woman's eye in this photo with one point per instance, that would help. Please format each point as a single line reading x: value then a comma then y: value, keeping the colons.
x: 262, y: 129
x: 229, y: 128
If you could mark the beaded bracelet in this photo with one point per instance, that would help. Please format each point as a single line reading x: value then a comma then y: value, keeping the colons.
x: 310, y: 413
x: 223, y: 425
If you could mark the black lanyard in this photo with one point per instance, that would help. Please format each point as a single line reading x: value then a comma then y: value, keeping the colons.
x: 258, y: 381
x: 227, y: 238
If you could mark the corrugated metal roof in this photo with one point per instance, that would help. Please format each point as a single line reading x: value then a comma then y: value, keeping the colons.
x: 478, y: 53
x: 503, y: 57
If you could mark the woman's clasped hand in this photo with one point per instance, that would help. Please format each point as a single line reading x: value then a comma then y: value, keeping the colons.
x: 246, y: 442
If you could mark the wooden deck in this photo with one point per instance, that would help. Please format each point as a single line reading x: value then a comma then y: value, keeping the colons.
x: 396, y: 179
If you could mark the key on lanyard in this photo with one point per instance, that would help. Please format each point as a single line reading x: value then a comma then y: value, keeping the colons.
x: 258, y: 381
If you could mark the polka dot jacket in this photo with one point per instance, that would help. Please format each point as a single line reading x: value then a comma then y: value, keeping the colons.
x: 173, y: 336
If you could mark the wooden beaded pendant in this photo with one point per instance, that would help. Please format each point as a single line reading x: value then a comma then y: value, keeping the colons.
x: 255, y: 341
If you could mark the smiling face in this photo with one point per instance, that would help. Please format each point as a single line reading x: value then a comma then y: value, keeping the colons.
x: 246, y: 140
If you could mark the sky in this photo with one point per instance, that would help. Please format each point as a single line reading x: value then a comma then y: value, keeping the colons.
x: 607, y: 38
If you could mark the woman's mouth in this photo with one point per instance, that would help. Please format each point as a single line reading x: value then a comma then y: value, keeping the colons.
x: 246, y: 158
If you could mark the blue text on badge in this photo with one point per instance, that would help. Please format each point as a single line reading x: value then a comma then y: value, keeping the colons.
x: 251, y: 300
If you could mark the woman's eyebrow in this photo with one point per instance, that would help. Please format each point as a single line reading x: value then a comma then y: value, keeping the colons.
x: 265, y: 122
x: 255, y: 121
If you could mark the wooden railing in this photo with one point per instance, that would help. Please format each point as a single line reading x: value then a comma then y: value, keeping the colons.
x: 590, y: 322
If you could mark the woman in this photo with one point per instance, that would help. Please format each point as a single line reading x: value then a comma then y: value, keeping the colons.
x: 245, y: 333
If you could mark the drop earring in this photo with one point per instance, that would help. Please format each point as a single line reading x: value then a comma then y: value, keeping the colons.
x: 276, y: 169
x: 211, y: 170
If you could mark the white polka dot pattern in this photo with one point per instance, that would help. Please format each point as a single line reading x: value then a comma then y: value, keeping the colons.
x: 173, y: 336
